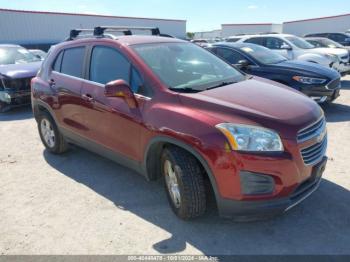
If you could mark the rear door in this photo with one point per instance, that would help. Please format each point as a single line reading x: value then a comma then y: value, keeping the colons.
x: 110, y: 121
x: 65, y: 81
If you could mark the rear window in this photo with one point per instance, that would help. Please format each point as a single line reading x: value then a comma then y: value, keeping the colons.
x: 72, y: 61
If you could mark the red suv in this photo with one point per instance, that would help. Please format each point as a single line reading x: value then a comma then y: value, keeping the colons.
x: 170, y: 109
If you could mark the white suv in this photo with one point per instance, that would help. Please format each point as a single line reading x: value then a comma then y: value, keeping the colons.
x: 293, y: 47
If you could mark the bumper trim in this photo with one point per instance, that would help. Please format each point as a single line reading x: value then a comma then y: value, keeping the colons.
x: 263, y: 209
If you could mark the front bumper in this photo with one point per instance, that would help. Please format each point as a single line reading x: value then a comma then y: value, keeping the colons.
x: 15, y: 98
x: 255, y: 210
x: 343, y: 68
x: 322, y: 93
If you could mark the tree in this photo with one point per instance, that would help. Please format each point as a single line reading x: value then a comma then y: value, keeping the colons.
x: 190, y: 35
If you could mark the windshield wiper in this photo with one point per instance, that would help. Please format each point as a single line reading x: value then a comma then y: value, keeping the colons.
x: 185, y: 89
x: 221, y: 84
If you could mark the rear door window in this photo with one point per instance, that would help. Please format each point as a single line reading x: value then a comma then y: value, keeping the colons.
x: 72, y: 62
x: 337, y: 37
x: 255, y: 40
x: 58, y: 62
x: 233, y: 57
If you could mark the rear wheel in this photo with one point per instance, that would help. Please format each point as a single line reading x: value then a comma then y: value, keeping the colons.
x: 52, y: 139
x: 184, y: 183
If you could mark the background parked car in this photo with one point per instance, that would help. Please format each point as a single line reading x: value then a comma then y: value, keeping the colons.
x: 293, y: 47
x: 17, y: 67
x: 341, y: 38
x: 328, y: 43
x: 314, y: 80
x: 39, y: 53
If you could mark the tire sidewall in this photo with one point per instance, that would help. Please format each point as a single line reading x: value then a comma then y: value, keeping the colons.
x: 178, y: 172
x: 54, y: 127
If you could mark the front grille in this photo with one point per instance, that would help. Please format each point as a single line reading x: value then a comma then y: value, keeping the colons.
x: 334, y: 84
x: 312, y: 154
x: 312, y: 130
x: 20, y: 84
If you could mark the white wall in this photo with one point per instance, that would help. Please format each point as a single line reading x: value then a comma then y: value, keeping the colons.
x: 207, y: 34
x: 234, y: 29
x: 25, y: 27
x: 318, y: 25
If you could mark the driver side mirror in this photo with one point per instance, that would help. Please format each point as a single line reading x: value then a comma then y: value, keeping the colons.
x: 286, y: 47
x: 243, y: 64
x: 120, y: 88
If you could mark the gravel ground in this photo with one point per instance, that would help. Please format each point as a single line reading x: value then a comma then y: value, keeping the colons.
x: 81, y: 203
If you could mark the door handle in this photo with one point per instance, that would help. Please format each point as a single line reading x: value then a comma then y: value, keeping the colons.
x: 52, y: 83
x: 88, y: 98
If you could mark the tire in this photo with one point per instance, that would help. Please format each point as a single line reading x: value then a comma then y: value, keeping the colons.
x: 189, y: 199
x: 57, y: 144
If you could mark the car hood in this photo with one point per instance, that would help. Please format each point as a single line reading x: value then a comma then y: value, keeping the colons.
x: 334, y: 51
x: 259, y: 102
x: 308, y: 68
x: 20, y: 70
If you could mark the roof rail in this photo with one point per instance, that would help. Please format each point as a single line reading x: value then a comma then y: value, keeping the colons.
x: 74, y: 33
x: 99, y: 30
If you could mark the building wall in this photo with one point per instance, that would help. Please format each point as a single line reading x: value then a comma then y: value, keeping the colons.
x: 26, y: 27
x: 339, y: 23
x: 207, y: 34
x: 234, y: 29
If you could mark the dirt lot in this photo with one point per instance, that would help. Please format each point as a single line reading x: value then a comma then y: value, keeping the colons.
x: 80, y: 203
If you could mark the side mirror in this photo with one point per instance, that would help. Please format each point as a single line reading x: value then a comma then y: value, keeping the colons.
x: 243, y: 63
x: 120, y: 88
x: 286, y: 47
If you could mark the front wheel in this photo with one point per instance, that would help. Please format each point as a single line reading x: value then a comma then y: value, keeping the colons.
x: 50, y: 136
x: 184, y: 183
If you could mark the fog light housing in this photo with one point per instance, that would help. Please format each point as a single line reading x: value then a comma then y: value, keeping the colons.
x: 256, y: 184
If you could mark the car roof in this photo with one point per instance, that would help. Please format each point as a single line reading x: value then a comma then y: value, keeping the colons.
x: 9, y: 45
x: 315, y: 38
x: 233, y: 45
x: 260, y: 35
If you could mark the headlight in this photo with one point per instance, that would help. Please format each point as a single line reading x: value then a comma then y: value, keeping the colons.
x: 251, y: 138
x: 309, y: 80
x: 332, y: 57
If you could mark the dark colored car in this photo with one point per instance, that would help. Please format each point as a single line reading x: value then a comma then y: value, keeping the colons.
x: 170, y: 109
x: 341, y: 38
x: 316, y: 81
x: 17, y: 67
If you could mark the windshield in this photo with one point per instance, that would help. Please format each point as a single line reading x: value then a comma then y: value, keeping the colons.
x: 187, y: 66
x: 16, y: 55
x: 263, y: 55
x: 330, y: 43
x: 299, y: 42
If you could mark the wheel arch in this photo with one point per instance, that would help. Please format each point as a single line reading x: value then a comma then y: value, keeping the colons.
x: 40, y: 106
x: 154, y: 150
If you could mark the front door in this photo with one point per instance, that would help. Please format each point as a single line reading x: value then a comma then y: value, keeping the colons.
x: 110, y: 121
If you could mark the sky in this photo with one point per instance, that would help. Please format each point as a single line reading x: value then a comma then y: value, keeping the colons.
x: 200, y: 15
